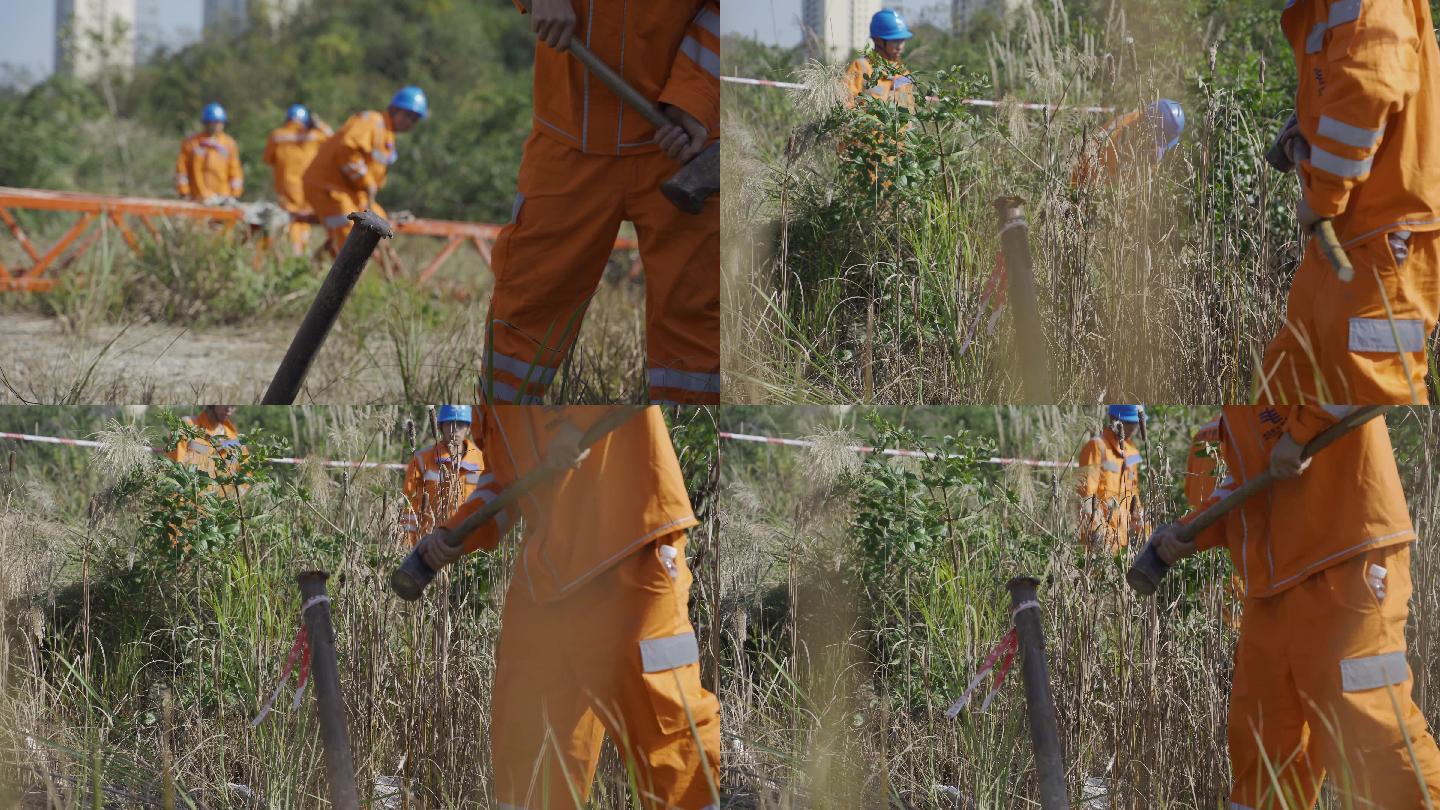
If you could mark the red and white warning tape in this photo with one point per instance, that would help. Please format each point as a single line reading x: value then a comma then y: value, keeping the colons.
x: 1027, y: 462
x: 1004, y: 655
x: 299, y: 651
x: 28, y: 437
x: 972, y: 102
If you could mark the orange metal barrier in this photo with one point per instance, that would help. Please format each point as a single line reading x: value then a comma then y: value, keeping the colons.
x: 92, y: 207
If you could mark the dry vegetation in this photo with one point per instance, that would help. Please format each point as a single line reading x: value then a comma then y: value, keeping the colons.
x: 100, y: 624
x: 859, y: 596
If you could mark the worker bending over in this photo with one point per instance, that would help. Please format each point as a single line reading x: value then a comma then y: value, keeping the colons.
x: 289, y: 152
x: 442, y: 476
x: 1321, y: 680
x: 352, y: 165
x: 596, y: 633
x: 1109, y: 488
x: 1140, y: 135
x: 891, y: 82
x: 589, y: 164
x: 208, y: 168
x: 217, y: 433
x: 1365, y: 144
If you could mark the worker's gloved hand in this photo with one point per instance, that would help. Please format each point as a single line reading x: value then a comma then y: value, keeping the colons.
x: 437, y: 552
x: 564, y: 452
x: 553, y: 22
x: 1169, y: 546
x: 1285, y: 461
x: 685, y: 138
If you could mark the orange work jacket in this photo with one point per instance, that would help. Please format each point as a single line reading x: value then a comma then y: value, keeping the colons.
x: 1202, y: 464
x: 897, y: 86
x: 200, y: 452
x: 209, y: 166
x: 628, y: 492
x: 1124, y: 136
x: 1110, y: 485
x: 357, y: 156
x: 437, y: 483
x: 1368, y: 102
x: 289, y: 152
x: 1347, y: 502
x: 668, y: 51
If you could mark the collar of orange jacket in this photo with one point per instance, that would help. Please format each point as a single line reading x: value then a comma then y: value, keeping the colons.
x: 206, y: 421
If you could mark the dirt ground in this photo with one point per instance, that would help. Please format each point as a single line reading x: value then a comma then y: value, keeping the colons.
x: 157, y: 364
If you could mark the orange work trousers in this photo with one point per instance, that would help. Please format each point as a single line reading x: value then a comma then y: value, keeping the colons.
x: 1339, y: 345
x: 550, y: 258
x: 620, y: 655
x: 332, y: 207
x: 1321, y: 683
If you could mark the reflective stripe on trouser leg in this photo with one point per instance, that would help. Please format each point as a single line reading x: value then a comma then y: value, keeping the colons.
x: 681, y: 253
x: 549, y: 262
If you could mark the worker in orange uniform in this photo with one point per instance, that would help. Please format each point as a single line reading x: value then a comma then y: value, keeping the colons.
x: 442, y: 476
x: 590, y: 163
x: 352, y: 165
x: 217, y: 433
x: 1366, y: 148
x: 891, y: 81
x: 208, y: 168
x: 289, y: 152
x: 596, y: 633
x: 1146, y: 134
x: 1109, y: 489
x: 1321, y: 680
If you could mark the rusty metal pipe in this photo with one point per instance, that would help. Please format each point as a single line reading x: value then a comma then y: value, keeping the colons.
x: 1024, y: 302
x: 329, y: 703
x: 359, y: 245
x: 1039, y: 702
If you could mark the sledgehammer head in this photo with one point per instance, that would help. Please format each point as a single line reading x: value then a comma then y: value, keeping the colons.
x: 411, y: 578
x: 1146, y: 571
x: 695, y: 182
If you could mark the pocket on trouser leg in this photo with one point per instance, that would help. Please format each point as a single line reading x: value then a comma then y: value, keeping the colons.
x: 670, y: 667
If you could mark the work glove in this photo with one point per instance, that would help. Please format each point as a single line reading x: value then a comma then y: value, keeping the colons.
x: 1285, y: 461
x: 436, y: 550
x: 564, y: 452
x: 1169, y: 546
x: 685, y: 138
x: 553, y: 22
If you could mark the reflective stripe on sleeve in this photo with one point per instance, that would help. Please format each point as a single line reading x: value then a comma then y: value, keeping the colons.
x: 1344, y: 11
x: 1133, y: 460
x: 1338, y: 166
x: 669, y: 652
x: 703, y: 56
x: 708, y: 20
x: 1348, y: 134
x: 1376, y: 335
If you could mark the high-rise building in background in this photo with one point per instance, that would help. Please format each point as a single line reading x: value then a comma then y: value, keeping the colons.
x: 229, y: 16
x: 837, y: 29
x: 91, y: 35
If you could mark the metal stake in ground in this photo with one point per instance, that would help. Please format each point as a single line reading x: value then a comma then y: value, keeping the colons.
x: 359, y: 245
x: 1029, y: 336
x: 1039, y: 702
x: 329, y: 704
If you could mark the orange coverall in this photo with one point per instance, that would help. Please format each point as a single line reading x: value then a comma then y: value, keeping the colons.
x: 1102, y: 154
x: 200, y: 452
x: 436, y: 484
x: 897, y: 87
x: 1321, y: 680
x: 1201, y: 465
x: 209, y: 166
x: 596, y: 633
x: 354, y: 159
x: 1109, y: 490
x: 289, y: 152
x: 590, y: 163
x: 1367, y: 104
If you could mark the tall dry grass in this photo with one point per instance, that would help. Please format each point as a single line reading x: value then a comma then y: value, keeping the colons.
x: 834, y: 689
x: 91, y: 647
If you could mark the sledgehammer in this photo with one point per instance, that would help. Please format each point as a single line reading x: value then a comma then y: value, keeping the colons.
x: 690, y: 187
x: 1148, y: 569
x: 414, y: 574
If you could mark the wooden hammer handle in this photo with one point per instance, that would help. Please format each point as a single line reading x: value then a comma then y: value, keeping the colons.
x: 612, y: 80
x: 1189, y: 531
x: 1329, y: 244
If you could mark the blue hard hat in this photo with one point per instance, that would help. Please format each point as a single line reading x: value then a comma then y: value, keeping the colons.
x: 887, y: 24
x: 1170, y: 122
x: 1125, y: 413
x: 454, y: 413
x: 213, y: 114
x: 297, y: 112
x: 413, y: 99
